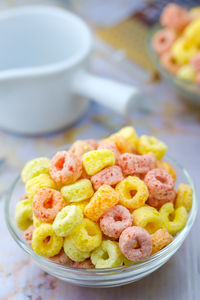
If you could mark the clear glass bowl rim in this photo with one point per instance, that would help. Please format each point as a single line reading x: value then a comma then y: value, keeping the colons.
x: 170, y: 76
x: 132, y: 270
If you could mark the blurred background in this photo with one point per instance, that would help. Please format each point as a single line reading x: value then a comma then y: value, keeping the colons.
x: 120, y: 29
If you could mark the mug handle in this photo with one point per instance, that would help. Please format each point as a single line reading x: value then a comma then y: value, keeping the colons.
x: 117, y: 96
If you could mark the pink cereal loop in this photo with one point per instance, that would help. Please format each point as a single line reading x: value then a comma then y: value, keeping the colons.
x: 134, y: 165
x: 86, y: 264
x: 28, y: 233
x: 65, y: 167
x: 157, y: 203
x: 80, y: 147
x: 92, y: 143
x: 197, y: 79
x: 163, y: 40
x: 174, y: 17
x: 195, y: 62
x: 61, y: 258
x: 110, y: 145
x: 132, y: 235
x: 115, y: 220
x: 167, y: 61
x: 47, y: 203
x: 159, y: 183
x: 111, y: 176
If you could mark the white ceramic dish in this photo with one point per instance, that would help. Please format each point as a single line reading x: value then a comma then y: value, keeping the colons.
x: 44, y: 81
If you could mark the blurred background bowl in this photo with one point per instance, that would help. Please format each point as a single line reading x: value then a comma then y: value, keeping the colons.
x: 188, y: 90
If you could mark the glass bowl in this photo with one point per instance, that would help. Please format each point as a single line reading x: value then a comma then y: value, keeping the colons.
x: 188, y: 90
x: 100, y: 277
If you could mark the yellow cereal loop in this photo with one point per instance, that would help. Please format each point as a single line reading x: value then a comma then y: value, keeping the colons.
x: 72, y: 252
x: 34, y: 184
x: 23, y: 214
x: 133, y: 192
x: 192, y: 32
x: 81, y: 204
x: 45, y: 242
x: 87, y: 236
x: 165, y: 165
x: 67, y: 219
x: 184, y: 196
x: 78, y: 191
x: 104, y: 198
x: 95, y: 161
x: 183, y: 51
x: 148, y: 218
x: 36, y: 222
x: 129, y: 134
x: 187, y: 72
x: 148, y: 144
x: 128, y: 262
x: 173, y: 219
x: 35, y: 167
x: 108, y: 255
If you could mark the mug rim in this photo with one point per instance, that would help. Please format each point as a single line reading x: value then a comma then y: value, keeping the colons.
x: 51, y: 68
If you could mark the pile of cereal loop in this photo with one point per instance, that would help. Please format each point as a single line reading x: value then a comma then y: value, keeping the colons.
x: 177, y: 44
x: 102, y: 204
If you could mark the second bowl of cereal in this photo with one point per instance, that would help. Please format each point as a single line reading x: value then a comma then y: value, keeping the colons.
x: 174, y: 47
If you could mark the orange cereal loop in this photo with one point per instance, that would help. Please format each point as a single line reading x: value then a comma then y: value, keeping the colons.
x: 160, y: 239
x: 165, y: 165
x: 65, y: 167
x: 174, y: 17
x: 163, y: 40
x: 167, y: 61
x: 104, y: 198
x: 47, y: 203
x: 122, y: 144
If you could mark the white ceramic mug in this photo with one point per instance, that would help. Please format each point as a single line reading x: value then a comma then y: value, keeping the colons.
x: 44, y: 83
